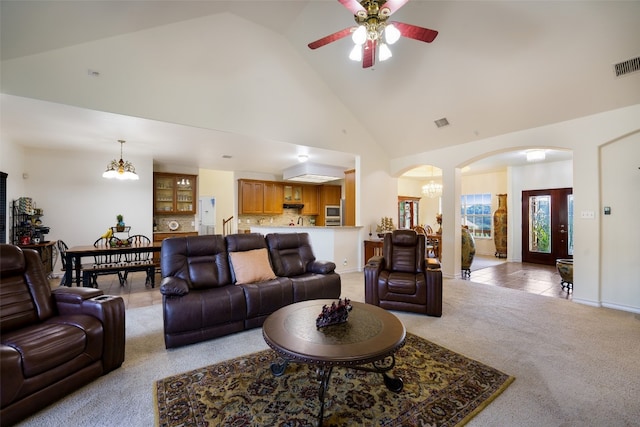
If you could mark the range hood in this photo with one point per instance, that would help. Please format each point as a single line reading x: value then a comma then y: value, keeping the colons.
x: 293, y: 205
x: 312, y: 172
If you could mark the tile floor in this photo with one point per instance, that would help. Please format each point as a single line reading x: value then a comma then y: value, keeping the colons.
x: 534, y: 278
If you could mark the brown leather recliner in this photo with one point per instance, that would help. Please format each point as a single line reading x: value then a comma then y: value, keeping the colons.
x: 292, y: 257
x: 400, y: 279
x: 51, y: 343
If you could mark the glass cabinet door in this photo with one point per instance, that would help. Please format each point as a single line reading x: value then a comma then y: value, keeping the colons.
x: 164, y: 194
x: 174, y: 194
x: 184, y: 194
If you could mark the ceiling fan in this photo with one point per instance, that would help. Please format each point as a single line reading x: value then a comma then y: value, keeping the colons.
x: 373, y: 31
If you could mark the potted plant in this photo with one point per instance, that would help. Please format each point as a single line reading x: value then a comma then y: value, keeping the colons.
x: 120, y: 223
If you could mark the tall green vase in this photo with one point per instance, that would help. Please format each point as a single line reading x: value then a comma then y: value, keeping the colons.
x: 468, y: 252
x: 500, y: 227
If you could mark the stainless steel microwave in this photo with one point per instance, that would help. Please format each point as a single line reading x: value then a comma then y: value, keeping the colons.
x: 332, y: 215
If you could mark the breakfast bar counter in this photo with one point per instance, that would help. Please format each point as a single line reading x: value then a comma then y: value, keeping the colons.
x: 338, y: 244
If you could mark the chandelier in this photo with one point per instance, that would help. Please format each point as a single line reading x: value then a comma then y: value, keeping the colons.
x: 375, y: 30
x: 432, y: 190
x: 120, y: 169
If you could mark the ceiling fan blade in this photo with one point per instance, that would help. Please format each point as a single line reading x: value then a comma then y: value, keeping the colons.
x: 353, y: 5
x: 415, y: 32
x: 330, y: 38
x: 394, y: 5
x: 369, y: 54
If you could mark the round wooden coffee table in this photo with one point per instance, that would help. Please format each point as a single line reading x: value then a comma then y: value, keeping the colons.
x: 372, y: 335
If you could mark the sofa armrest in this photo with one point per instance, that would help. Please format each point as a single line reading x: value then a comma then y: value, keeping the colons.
x: 174, y: 287
x: 67, y: 295
x: 371, y: 273
x: 321, y: 267
x: 11, y: 371
x: 108, y: 309
x: 434, y: 292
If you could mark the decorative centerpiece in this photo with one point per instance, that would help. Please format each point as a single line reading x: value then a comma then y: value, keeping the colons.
x: 334, y: 314
x: 120, y: 223
x: 385, y: 226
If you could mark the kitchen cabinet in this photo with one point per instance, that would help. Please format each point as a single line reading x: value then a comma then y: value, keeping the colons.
x: 292, y: 194
x: 174, y: 193
x: 273, y: 196
x: 329, y: 195
x: 349, y: 213
x: 251, y: 197
x: 310, y: 200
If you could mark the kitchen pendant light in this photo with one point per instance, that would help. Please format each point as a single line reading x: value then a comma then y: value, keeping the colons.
x: 120, y: 169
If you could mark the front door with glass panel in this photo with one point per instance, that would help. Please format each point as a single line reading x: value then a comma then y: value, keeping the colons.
x: 547, y: 229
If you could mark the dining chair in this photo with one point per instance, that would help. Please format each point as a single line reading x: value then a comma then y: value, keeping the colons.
x: 106, y: 262
x: 62, y: 251
x: 142, y: 259
x: 429, y: 248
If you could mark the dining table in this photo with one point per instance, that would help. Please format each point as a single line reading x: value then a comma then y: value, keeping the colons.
x: 75, y: 254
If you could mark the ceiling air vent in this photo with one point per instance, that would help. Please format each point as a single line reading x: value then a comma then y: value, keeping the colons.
x: 442, y: 122
x: 626, y: 67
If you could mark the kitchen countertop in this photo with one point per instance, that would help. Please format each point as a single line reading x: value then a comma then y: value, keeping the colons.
x: 308, y: 227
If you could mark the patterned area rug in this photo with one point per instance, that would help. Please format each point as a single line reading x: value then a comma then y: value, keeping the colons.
x: 441, y: 388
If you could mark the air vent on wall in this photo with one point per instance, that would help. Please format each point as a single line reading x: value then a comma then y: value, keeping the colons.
x: 442, y: 122
x: 628, y: 66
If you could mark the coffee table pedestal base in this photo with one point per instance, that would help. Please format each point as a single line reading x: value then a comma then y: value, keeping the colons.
x: 383, y: 366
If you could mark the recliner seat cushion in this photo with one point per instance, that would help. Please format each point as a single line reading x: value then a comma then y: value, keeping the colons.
x: 402, y: 287
x: 55, y: 342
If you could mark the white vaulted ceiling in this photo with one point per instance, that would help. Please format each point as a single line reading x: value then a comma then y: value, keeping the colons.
x: 237, y: 78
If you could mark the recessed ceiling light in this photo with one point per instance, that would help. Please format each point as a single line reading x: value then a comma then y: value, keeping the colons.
x: 535, y: 155
x: 302, y: 158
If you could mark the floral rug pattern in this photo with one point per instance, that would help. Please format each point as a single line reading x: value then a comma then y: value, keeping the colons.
x: 441, y: 388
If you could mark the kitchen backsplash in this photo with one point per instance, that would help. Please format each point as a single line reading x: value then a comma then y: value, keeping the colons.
x: 185, y: 223
x: 289, y: 216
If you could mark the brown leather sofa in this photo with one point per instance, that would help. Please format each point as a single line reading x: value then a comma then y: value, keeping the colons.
x: 401, y: 279
x: 204, y: 296
x: 51, y: 343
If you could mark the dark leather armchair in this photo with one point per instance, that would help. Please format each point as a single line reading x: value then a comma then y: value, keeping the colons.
x: 400, y: 278
x: 81, y: 330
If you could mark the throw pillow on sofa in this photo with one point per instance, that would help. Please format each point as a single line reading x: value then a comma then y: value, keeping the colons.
x: 251, y: 266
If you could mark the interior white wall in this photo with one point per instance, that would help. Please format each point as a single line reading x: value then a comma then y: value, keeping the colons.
x: 78, y: 204
x: 620, y: 189
x: 11, y: 163
x: 584, y: 137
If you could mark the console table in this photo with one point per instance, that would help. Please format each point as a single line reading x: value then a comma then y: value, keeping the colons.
x: 372, y: 248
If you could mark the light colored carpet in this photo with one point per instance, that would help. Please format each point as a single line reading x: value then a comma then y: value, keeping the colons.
x: 574, y: 365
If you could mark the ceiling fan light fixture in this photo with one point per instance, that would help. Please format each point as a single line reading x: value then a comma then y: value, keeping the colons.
x: 359, y: 36
x: 384, y: 52
x: 356, y: 53
x: 391, y: 34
